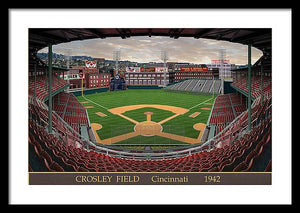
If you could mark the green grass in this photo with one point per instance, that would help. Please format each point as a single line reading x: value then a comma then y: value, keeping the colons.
x: 158, y: 114
x: 183, y: 124
x: 113, y: 125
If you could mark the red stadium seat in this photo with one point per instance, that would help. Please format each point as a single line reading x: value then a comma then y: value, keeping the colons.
x: 242, y: 166
x: 56, y: 168
x: 214, y: 169
x: 269, y: 166
x: 47, y: 157
x: 38, y: 149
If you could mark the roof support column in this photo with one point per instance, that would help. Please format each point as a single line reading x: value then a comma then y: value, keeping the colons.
x: 50, y: 88
x: 241, y: 78
x: 261, y: 83
x: 249, y: 87
x: 236, y: 78
x: 253, y: 81
x: 46, y: 74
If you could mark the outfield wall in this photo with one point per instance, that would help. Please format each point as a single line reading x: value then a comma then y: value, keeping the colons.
x: 97, y: 90
x: 144, y: 87
x: 90, y: 91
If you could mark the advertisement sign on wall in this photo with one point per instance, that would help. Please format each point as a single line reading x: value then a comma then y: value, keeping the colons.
x: 193, y: 68
x: 91, y: 65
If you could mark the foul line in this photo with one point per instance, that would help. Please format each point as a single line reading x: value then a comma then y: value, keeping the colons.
x: 200, y: 103
x: 95, y: 103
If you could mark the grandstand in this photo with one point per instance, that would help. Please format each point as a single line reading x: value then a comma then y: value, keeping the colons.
x: 42, y: 86
x: 226, y: 108
x: 197, y: 85
x: 265, y: 83
x: 237, y: 136
x: 70, y: 110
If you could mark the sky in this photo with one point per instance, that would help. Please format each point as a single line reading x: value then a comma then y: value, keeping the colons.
x: 148, y: 49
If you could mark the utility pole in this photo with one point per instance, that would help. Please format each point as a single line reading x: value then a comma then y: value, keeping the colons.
x: 116, y: 57
x: 222, y: 55
x: 68, y: 57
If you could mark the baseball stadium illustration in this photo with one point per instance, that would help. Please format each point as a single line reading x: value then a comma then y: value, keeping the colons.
x: 98, y: 115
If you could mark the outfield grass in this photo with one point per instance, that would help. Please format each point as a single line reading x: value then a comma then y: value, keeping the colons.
x: 114, y: 125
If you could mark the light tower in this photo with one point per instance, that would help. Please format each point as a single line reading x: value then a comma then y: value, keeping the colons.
x: 116, y: 56
x: 222, y: 56
x: 68, y: 58
x: 164, y: 58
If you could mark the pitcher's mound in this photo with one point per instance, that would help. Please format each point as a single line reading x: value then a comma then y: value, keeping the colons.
x: 148, y: 128
x: 148, y: 113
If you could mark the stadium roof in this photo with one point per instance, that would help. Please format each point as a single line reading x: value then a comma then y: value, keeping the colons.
x: 258, y: 37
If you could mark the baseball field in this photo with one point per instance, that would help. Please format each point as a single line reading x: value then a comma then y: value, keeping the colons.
x: 147, y: 116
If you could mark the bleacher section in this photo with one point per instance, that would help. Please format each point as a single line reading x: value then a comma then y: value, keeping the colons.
x: 217, y: 87
x: 207, y: 86
x: 197, y: 85
x: 191, y: 85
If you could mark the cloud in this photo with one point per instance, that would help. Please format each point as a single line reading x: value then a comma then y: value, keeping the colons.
x: 146, y: 49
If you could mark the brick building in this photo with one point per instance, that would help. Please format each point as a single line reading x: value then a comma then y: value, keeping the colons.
x: 96, y: 80
x: 191, y: 72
